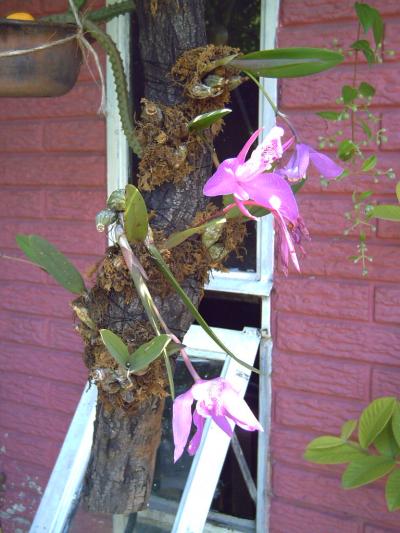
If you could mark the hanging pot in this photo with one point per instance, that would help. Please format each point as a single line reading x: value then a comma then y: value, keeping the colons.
x: 52, y: 71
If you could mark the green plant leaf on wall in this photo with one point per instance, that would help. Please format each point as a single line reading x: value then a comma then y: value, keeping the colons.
x: 374, y: 418
x: 201, y: 122
x: 385, y: 442
x: 349, y: 94
x: 365, y: 470
x: 369, y: 163
x: 364, y: 47
x: 48, y: 257
x: 348, y: 429
x: 398, y: 190
x: 340, y: 453
x: 386, y: 212
x: 370, y: 17
x: 366, y: 90
x: 288, y: 62
x: 330, y: 115
x: 392, y: 491
x: 116, y: 346
x: 135, y: 215
x: 396, y: 423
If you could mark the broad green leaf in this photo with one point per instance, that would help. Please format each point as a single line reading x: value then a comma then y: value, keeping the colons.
x: 135, y: 216
x: 386, y: 212
x: 348, y: 429
x: 162, y: 265
x: 44, y: 254
x: 369, y: 164
x: 346, y: 150
x: 288, y: 62
x: 201, y: 122
x: 148, y: 352
x: 365, y: 470
x: 349, y: 94
x: 369, y: 18
x: 326, y: 441
x: 398, y: 190
x: 116, y: 346
x: 365, y: 89
x: 364, y: 47
x: 329, y: 115
x: 396, y: 423
x: 385, y: 442
x: 212, y: 233
x: 374, y: 418
x: 392, y: 491
x: 342, y: 453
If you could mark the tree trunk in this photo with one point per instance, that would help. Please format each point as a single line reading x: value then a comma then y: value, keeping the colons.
x: 120, y: 471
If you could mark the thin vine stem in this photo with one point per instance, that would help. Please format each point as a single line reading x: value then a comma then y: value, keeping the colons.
x: 272, y: 104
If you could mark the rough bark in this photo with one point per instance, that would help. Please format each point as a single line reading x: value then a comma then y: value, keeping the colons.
x: 120, y: 472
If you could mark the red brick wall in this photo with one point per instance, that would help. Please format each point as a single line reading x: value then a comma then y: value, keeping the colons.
x: 52, y: 178
x: 337, y: 334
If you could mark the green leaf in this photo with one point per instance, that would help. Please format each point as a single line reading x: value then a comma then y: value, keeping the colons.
x: 44, y: 254
x: 398, y: 190
x: 369, y: 163
x: 149, y: 351
x: 349, y: 94
x: 327, y: 441
x: 374, y: 418
x: 348, y: 429
x: 386, y: 212
x: 346, y: 150
x: 396, y: 423
x: 188, y: 303
x: 135, y: 216
x: 369, y: 18
x: 364, y: 47
x: 204, y: 121
x: 288, y: 62
x: 365, y: 89
x: 330, y: 115
x: 365, y: 470
x: 341, y: 452
x: 366, y: 129
x: 116, y: 346
x: 177, y: 238
x: 385, y: 442
x: 392, y: 491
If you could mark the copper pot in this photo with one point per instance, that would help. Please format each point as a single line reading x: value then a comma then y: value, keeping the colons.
x: 49, y: 72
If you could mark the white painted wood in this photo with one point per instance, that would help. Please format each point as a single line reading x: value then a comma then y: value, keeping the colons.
x: 265, y: 256
x: 208, y: 461
x: 65, y: 482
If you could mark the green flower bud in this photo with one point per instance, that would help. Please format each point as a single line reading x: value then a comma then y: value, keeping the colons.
x: 104, y: 218
x: 116, y: 200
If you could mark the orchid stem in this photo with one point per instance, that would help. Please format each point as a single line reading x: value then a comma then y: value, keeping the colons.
x: 272, y: 104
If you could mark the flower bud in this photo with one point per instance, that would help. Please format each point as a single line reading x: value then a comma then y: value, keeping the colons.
x: 116, y: 200
x: 104, y: 218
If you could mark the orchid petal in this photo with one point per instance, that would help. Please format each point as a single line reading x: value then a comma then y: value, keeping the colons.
x: 270, y: 190
x: 223, y: 181
x: 223, y: 424
x: 181, y: 421
x: 286, y: 244
x: 237, y: 409
x: 328, y: 168
x: 194, y: 444
x: 244, y: 151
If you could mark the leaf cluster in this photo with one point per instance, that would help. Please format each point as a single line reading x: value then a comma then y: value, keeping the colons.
x: 372, y: 453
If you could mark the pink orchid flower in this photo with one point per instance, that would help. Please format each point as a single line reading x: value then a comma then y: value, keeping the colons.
x: 215, y: 398
x: 297, y: 166
x: 249, y: 183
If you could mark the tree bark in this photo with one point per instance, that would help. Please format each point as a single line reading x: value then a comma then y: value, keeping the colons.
x: 120, y: 471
